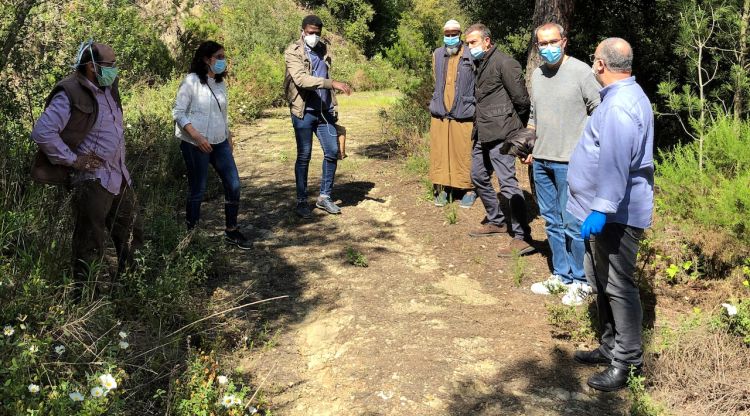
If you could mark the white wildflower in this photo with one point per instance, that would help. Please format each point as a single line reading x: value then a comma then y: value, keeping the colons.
x: 97, y: 392
x: 34, y: 388
x: 124, y: 345
x: 222, y: 380
x: 237, y: 401
x: 123, y: 334
x: 252, y: 410
x: 8, y: 330
x: 108, y: 382
x: 78, y: 397
x: 59, y: 350
x: 33, y: 349
x: 228, y: 400
x: 731, y: 309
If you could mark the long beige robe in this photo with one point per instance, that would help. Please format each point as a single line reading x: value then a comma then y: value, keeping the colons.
x: 450, y: 140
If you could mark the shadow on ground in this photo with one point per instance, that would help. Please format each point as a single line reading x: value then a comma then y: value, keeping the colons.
x: 528, y: 386
x: 288, y: 253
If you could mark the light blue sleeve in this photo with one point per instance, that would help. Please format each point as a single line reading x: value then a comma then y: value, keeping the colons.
x: 616, y: 141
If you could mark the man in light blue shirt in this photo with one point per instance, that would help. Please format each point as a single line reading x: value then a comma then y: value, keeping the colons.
x: 611, y: 190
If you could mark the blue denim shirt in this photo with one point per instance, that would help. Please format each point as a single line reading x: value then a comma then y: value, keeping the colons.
x: 612, y: 168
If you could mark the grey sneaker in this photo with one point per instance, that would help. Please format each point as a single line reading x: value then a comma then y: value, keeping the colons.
x: 468, y: 200
x: 303, y: 210
x: 441, y: 199
x: 327, y: 205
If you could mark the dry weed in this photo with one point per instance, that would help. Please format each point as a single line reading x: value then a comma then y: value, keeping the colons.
x: 703, y: 373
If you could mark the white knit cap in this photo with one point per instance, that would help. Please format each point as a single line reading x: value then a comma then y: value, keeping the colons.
x: 452, y: 25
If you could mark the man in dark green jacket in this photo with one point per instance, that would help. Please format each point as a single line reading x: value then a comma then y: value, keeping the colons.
x: 502, y: 108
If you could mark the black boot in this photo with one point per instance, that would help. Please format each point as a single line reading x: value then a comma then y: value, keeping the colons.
x: 612, y: 379
x: 595, y: 357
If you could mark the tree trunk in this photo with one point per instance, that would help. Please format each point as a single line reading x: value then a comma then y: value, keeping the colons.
x: 14, y: 29
x: 739, y: 93
x: 556, y: 11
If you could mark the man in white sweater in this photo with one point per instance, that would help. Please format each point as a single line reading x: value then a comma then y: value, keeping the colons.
x: 564, y: 93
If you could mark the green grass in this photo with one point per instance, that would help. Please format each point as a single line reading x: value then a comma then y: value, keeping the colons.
x: 356, y: 258
x: 368, y: 99
x: 573, y: 322
x: 519, y: 268
x: 451, y: 213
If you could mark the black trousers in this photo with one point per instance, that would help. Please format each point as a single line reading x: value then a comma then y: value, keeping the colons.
x: 610, y: 264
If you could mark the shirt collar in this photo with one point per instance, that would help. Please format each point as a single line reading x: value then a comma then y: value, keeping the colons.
x: 94, y: 88
x: 609, y: 89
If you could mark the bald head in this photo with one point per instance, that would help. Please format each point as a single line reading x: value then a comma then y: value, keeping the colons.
x: 616, y: 54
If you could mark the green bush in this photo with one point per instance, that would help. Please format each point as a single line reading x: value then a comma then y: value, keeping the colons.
x: 255, y: 84
x: 719, y: 196
x: 141, y: 55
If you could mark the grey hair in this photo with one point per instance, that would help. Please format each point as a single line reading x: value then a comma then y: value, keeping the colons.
x: 479, y: 27
x: 558, y: 26
x: 617, y: 54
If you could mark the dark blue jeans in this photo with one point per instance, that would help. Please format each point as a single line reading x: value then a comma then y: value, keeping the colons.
x: 563, y: 229
x: 323, y: 127
x: 197, y: 172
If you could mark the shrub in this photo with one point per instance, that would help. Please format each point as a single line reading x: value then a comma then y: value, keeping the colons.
x: 719, y: 196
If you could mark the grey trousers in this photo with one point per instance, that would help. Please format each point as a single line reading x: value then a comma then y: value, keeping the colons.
x: 610, y: 264
x: 486, y: 158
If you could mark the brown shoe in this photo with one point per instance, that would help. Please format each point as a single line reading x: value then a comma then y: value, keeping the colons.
x: 515, y: 248
x: 487, y: 230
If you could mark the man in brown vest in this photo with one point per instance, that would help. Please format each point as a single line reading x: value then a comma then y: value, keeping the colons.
x: 82, y: 145
x: 452, y: 111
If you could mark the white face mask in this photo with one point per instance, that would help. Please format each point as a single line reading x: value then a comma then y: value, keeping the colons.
x: 311, y: 40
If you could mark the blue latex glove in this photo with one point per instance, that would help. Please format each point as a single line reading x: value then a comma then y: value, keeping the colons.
x: 593, y: 224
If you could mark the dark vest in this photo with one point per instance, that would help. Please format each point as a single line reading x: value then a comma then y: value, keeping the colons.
x: 84, y: 110
x: 463, y: 103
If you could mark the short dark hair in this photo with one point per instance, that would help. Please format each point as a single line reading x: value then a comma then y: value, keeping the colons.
x: 312, y: 20
x: 206, y: 50
x: 86, y: 57
x: 479, y: 27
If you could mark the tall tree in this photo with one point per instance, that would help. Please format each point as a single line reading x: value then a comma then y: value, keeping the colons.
x: 14, y: 28
x: 742, y: 64
x: 557, y: 11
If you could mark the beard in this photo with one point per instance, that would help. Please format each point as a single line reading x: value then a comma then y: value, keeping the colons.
x: 452, y: 50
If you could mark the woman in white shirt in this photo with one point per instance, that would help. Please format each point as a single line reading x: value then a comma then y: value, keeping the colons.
x: 201, y: 124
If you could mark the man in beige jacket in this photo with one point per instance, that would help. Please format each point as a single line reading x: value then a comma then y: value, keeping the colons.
x: 312, y: 102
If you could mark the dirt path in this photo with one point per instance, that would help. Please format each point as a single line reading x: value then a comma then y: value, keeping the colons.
x: 434, y: 326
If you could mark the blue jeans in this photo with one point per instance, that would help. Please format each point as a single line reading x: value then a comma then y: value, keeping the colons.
x: 563, y: 229
x: 197, y: 172
x: 323, y: 127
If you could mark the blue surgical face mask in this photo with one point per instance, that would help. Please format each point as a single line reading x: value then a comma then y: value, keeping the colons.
x: 551, y: 54
x: 451, y: 40
x: 107, y: 76
x: 477, y: 52
x: 219, y: 66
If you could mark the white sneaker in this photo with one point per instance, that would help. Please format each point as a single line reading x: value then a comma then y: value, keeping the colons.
x: 577, y: 293
x: 552, y: 285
